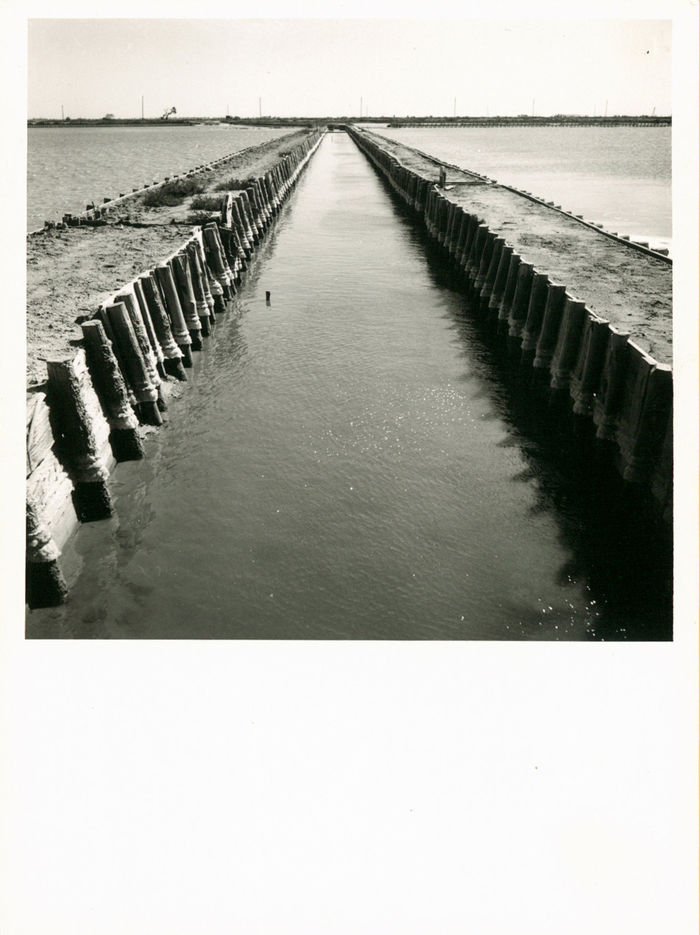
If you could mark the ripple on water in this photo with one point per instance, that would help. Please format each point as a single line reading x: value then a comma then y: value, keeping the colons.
x: 347, y: 463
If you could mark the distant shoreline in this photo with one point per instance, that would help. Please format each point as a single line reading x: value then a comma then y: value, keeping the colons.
x: 158, y: 122
x: 87, y: 122
x: 558, y: 120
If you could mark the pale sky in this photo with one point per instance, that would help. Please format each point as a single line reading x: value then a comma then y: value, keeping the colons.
x: 320, y: 67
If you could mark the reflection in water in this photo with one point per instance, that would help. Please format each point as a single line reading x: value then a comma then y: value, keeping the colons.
x: 620, y: 547
x: 352, y: 461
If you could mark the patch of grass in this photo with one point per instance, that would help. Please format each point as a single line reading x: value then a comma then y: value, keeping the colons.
x: 230, y: 185
x: 200, y: 218
x: 206, y: 202
x: 172, y: 193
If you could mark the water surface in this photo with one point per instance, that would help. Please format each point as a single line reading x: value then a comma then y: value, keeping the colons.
x: 69, y: 167
x: 616, y: 176
x: 347, y: 463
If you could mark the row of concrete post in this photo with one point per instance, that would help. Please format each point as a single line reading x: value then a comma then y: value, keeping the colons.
x: 605, y: 375
x: 141, y: 338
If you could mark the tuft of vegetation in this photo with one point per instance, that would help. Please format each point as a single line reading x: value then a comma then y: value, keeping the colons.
x: 200, y: 218
x: 230, y: 185
x: 206, y: 202
x: 172, y: 193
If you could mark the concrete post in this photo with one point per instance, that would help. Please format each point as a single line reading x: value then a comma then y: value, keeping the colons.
x: 171, y: 352
x: 551, y: 319
x: 586, y: 374
x: 45, y: 585
x: 568, y: 343
x: 150, y: 329
x: 76, y: 429
x: 136, y: 371
x: 111, y: 391
x: 129, y: 300
x: 520, y: 304
x: 508, y: 292
x: 608, y: 396
x: 646, y: 403
x: 485, y: 262
x: 535, y: 314
x: 164, y: 277
x: 183, y: 282
x: 490, y: 275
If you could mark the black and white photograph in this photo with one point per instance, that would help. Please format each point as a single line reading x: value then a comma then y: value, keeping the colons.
x: 351, y: 585
x: 382, y: 357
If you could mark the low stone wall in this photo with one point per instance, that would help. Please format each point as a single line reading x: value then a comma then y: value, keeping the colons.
x: 587, y: 364
x: 87, y: 416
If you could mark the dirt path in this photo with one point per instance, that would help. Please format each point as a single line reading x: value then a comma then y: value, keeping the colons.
x: 70, y: 272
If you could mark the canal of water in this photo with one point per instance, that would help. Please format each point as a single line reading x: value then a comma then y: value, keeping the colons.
x: 347, y: 462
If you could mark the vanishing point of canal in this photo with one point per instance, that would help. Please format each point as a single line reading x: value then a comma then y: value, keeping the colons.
x: 348, y: 463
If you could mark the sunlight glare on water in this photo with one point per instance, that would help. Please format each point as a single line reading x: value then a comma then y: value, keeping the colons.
x: 340, y: 465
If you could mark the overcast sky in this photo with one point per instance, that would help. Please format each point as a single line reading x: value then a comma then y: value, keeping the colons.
x: 317, y: 67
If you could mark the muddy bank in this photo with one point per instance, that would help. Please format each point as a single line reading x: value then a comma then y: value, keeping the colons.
x: 71, y: 271
x: 630, y: 289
